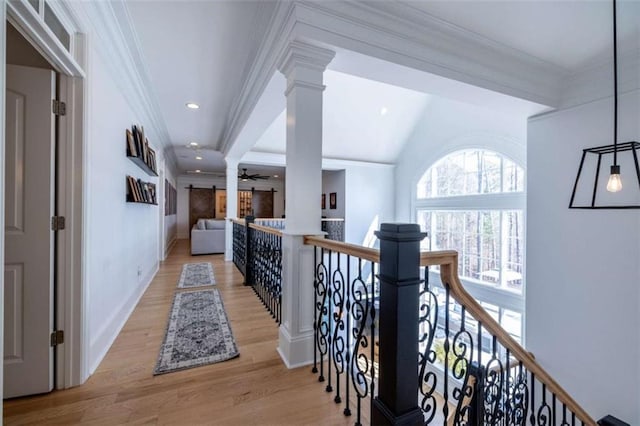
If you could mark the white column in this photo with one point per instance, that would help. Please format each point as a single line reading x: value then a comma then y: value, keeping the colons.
x: 303, y: 65
x: 232, y: 206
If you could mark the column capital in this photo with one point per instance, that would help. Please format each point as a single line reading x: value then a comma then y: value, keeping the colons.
x: 232, y: 163
x: 305, y: 55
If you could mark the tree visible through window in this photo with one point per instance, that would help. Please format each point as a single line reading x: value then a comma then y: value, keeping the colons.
x: 472, y: 201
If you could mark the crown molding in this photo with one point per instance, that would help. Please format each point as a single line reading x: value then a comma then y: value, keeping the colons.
x: 260, y: 73
x: 398, y: 33
x: 113, y: 35
x: 279, y: 159
x: 595, y: 81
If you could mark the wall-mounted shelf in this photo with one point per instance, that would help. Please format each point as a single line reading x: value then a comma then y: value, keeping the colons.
x: 141, y: 192
x: 139, y: 151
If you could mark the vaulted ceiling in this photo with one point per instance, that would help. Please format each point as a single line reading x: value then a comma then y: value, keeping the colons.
x: 202, y: 51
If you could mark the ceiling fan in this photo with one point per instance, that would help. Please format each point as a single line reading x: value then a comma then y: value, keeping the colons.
x: 245, y: 176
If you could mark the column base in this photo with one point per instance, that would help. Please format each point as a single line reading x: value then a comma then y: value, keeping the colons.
x: 295, y: 352
x: 383, y: 416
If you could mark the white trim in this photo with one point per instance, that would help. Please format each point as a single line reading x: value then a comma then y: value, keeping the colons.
x: 71, y: 297
x: 33, y: 28
x: 70, y: 310
x: 3, y: 61
x: 278, y: 159
x: 499, y: 201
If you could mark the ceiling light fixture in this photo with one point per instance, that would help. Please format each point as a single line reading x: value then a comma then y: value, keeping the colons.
x: 193, y: 143
x: 198, y: 157
x: 384, y: 111
x: 614, y: 183
x: 198, y: 171
x: 192, y: 105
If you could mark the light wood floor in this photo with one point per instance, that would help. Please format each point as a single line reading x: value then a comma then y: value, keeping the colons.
x: 255, y: 388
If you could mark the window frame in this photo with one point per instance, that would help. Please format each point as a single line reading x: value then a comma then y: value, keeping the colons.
x: 497, y: 201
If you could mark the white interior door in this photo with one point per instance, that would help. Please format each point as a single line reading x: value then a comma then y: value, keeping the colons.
x: 29, y: 200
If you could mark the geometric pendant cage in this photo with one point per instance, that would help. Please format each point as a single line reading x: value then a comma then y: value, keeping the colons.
x: 588, y: 189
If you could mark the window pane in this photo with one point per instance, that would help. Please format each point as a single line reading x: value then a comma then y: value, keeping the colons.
x: 514, y: 249
x: 512, y: 322
x: 471, y: 172
x: 56, y: 27
x: 35, y: 4
x: 513, y: 177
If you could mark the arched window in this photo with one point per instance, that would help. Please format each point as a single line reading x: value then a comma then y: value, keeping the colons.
x: 473, y: 201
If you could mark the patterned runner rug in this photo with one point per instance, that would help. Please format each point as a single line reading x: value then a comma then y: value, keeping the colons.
x: 196, y: 275
x: 198, y: 333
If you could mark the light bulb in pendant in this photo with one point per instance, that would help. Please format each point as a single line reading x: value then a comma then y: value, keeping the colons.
x: 615, y: 183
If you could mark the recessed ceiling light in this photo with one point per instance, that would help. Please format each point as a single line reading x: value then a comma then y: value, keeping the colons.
x: 384, y: 111
x: 198, y: 157
x: 192, y: 105
x: 275, y: 176
x: 193, y: 143
x: 198, y: 171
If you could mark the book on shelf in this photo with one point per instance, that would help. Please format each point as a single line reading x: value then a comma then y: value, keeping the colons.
x: 131, y: 145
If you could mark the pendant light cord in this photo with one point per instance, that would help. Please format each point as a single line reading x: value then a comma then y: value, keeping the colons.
x: 615, y: 89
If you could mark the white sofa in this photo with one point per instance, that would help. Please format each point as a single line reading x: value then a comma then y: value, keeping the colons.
x: 207, y: 236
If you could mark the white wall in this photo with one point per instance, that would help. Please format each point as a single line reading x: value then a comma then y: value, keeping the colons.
x: 368, y: 201
x: 170, y: 221
x: 449, y: 126
x: 122, y: 239
x: 334, y: 181
x: 221, y: 183
x: 583, y: 273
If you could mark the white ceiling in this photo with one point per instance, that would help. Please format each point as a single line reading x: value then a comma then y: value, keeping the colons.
x: 354, y: 127
x: 200, y: 51
x: 567, y: 33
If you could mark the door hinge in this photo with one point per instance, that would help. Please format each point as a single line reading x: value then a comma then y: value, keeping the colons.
x: 59, y: 107
x: 57, y: 223
x: 57, y: 338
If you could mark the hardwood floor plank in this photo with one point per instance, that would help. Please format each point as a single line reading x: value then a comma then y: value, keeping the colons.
x: 255, y: 388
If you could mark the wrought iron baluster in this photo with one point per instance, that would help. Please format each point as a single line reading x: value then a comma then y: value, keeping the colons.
x: 463, y: 352
x: 445, y: 393
x: 314, y: 370
x: 494, y: 387
x: 321, y: 311
x: 338, y: 328
x: 347, y: 409
x: 329, y: 387
x: 373, y: 337
x: 359, y: 363
x: 427, y: 355
x: 533, y: 398
x: 544, y: 412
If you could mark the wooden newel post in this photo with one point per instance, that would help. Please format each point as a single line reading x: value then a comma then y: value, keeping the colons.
x: 248, y: 273
x: 397, y: 400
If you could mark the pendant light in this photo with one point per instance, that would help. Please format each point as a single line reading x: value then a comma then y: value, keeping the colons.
x: 615, y: 183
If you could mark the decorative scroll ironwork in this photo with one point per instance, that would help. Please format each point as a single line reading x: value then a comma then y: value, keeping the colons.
x: 345, y: 300
x: 267, y: 269
x: 466, y: 377
x: 239, y: 246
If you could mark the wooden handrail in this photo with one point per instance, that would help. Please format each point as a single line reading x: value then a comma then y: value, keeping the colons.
x: 449, y: 275
x: 266, y: 229
x: 238, y: 221
x: 369, y: 254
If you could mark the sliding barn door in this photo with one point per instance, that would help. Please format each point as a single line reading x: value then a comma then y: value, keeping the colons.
x: 262, y: 203
x: 201, y: 204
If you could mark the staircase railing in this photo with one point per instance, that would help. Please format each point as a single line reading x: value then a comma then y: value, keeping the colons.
x: 393, y: 347
x: 257, y: 253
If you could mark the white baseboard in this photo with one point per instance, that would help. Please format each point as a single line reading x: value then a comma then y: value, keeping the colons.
x: 169, y: 247
x: 109, y: 332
